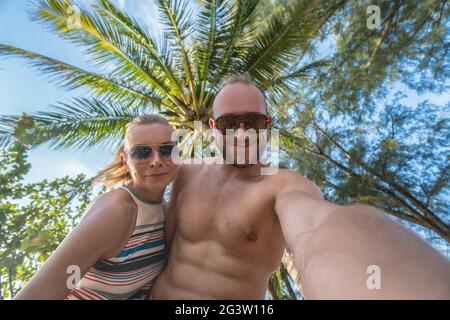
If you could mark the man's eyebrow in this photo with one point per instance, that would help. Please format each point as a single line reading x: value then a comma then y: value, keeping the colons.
x: 239, y: 114
x: 156, y: 144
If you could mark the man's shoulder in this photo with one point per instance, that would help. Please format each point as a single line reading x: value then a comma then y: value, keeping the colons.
x: 288, y: 176
x: 288, y: 180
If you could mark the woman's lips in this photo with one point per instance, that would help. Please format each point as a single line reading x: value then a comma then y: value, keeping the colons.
x: 156, y: 174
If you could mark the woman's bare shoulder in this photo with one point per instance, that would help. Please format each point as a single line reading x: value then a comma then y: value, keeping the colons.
x: 115, y: 204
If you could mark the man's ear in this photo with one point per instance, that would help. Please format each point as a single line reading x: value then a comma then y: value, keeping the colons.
x: 212, y: 123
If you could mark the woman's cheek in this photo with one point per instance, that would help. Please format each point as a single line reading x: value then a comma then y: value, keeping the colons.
x: 135, y: 173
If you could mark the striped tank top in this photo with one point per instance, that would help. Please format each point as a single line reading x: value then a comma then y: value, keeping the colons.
x: 131, y: 273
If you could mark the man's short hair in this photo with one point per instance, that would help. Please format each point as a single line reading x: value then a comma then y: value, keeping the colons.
x: 240, y: 78
x: 244, y: 78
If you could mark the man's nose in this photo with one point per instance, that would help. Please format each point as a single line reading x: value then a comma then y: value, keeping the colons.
x: 241, y: 125
x: 241, y: 128
x: 240, y: 133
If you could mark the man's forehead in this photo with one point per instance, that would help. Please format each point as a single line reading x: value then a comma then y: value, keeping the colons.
x: 239, y: 98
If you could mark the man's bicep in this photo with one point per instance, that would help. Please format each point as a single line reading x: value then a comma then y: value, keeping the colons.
x: 300, y: 213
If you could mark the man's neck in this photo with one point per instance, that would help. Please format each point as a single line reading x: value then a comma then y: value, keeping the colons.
x: 242, y: 170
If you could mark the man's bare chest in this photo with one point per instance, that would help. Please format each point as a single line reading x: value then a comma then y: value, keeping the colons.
x: 232, y: 212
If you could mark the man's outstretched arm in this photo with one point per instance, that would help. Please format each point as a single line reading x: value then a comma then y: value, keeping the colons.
x: 357, y: 252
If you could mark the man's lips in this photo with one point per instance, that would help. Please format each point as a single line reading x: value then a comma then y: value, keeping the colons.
x: 244, y: 144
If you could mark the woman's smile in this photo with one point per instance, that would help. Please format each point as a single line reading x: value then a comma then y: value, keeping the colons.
x: 156, y: 174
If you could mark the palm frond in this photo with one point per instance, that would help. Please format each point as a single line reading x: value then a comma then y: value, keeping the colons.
x: 13, y: 128
x: 82, y: 124
x: 281, y: 87
x: 237, y: 18
x: 139, y: 32
x: 215, y: 35
x: 281, y: 40
x: 72, y: 77
x: 218, y: 48
x: 302, y: 72
x: 177, y: 73
x: 108, y: 46
x: 207, y: 31
x: 177, y: 18
x: 213, y: 22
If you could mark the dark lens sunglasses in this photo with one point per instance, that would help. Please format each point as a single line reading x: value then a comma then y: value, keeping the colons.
x: 141, y: 152
x: 254, y: 121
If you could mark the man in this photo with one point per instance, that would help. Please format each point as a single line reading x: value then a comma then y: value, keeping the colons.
x: 232, y: 225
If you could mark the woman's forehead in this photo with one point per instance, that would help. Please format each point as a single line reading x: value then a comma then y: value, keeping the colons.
x: 154, y: 133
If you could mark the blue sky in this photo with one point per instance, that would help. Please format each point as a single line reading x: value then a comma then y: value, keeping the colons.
x: 23, y: 89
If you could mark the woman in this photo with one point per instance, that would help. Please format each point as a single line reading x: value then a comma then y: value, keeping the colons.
x: 118, y: 248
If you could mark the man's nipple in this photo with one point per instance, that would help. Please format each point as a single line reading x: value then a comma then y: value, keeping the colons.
x: 252, y: 236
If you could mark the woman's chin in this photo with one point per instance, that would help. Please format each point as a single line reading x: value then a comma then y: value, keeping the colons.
x: 157, y: 177
x: 160, y: 180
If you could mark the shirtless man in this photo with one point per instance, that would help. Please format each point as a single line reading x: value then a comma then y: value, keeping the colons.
x: 232, y: 225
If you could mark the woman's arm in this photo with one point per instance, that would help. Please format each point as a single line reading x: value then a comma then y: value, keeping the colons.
x: 105, y: 228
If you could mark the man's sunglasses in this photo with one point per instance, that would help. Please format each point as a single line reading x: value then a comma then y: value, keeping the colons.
x: 256, y: 121
x: 142, y: 152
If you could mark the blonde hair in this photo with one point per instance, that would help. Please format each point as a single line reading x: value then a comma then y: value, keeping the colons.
x: 115, y: 172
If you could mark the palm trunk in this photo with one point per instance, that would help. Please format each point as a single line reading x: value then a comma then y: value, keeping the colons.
x: 285, y: 277
x: 288, y: 261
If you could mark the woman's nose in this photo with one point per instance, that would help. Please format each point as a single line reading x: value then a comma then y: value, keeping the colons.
x: 155, y: 160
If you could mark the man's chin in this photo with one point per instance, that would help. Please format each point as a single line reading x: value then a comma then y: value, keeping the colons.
x: 240, y: 164
x: 244, y: 165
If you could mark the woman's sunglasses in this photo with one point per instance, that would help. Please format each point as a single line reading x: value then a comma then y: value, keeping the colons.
x: 256, y: 121
x: 143, y: 152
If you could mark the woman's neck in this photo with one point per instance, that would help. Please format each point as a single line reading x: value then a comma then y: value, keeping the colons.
x: 147, y: 194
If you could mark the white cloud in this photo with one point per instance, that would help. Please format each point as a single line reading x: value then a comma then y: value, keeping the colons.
x: 72, y: 168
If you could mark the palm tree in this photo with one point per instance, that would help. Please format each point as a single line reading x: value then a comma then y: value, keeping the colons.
x: 177, y: 73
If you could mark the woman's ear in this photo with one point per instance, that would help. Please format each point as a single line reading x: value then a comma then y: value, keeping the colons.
x: 123, y: 160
